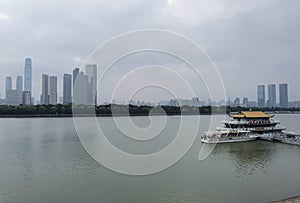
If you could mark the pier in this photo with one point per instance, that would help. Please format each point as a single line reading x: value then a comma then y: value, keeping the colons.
x: 283, y: 137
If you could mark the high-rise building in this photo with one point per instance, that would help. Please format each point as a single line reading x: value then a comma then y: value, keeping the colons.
x: 75, y: 74
x: 26, y: 98
x: 32, y: 100
x: 283, y: 96
x: 91, y: 72
x: 19, y: 84
x: 14, y: 97
x: 271, y: 96
x: 236, y: 102
x: 8, y: 85
x: 261, y: 99
x: 245, y: 102
x: 60, y: 100
x: 45, y: 89
x: 28, y: 75
x: 53, y: 90
x: 67, y: 89
x: 174, y: 102
x: 82, y: 89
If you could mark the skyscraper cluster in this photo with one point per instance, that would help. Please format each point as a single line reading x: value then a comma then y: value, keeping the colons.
x: 19, y: 95
x: 85, y: 85
x: 49, y: 90
x: 271, y: 102
x: 82, y: 85
x: 81, y: 88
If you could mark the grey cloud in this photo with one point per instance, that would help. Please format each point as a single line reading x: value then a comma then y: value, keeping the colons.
x: 254, y: 39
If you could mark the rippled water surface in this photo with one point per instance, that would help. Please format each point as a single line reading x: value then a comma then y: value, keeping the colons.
x: 42, y: 160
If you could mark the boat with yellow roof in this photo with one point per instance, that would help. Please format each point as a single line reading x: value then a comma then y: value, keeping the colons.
x: 244, y: 126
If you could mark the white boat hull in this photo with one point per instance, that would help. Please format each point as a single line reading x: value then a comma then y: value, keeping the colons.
x: 218, y: 141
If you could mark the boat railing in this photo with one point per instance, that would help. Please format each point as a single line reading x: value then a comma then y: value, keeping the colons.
x: 268, y: 128
x: 251, y: 122
x: 235, y: 122
x: 251, y: 128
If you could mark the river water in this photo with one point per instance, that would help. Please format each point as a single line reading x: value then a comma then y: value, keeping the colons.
x: 42, y: 160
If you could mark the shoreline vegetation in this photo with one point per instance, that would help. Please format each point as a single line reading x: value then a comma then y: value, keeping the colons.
x: 68, y: 110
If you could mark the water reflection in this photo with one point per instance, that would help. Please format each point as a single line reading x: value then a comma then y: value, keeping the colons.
x: 249, y: 157
x: 192, y: 194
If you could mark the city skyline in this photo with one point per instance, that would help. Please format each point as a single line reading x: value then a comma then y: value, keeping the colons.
x: 269, y: 93
x: 85, y: 86
x: 49, y: 91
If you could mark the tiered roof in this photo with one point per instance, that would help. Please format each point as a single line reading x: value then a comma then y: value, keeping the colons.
x: 250, y: 114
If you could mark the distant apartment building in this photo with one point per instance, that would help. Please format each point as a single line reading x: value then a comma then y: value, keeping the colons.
x: 85, y: 87
x: 261, y: 99
x: 60, y: 100
x: 91, y: 72
x: 82, y: 89
x: 19, y: 83
x: 8, y: 85
x: 237, y: 102
x: 283, y: 96
x: 53, y: 90
x: 75, y: 74
x: 33, y: 102
x: 271, y: 96
x: 14, y: 97
x: 174, y: 102
x: 67, y: 89
x: 26, y: 98
x: 2, y: 102
x: 45, y: 90
x: 245, y: 102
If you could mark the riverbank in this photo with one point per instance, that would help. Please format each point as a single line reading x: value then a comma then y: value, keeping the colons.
x: 66, y: 110
x: 289, y: 200
x: 99, y: 115
x: 121, y: 114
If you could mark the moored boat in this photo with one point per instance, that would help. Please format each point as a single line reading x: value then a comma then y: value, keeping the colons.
x: 244, y: 126
x: 256, y: 122
x: 226, y: 136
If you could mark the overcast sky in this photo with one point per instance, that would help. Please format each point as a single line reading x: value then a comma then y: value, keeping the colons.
x: 251, y: 41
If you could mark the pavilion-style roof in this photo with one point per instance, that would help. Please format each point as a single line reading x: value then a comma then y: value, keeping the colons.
x: 250, y: 114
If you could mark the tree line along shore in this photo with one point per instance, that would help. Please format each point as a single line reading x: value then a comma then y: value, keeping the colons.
x: 68, y: 110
